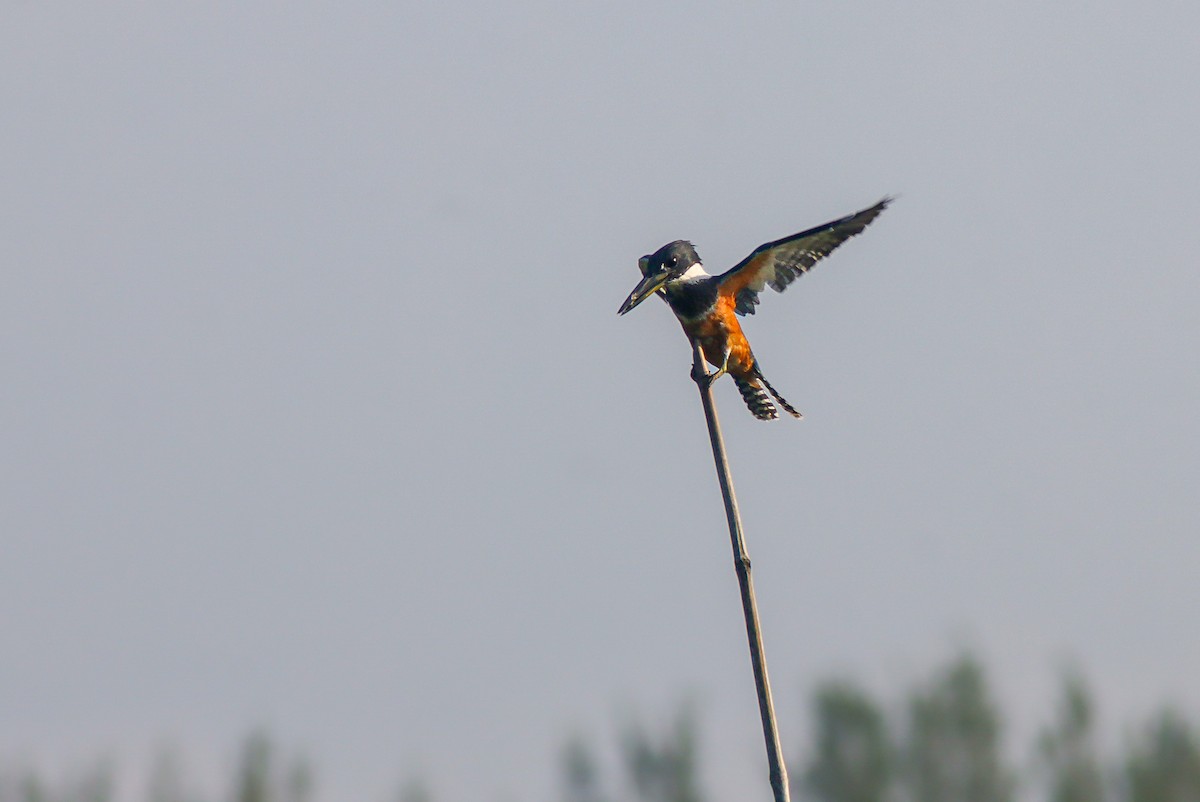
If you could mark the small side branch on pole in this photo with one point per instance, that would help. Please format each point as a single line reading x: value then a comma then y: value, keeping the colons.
x: 741, y: 563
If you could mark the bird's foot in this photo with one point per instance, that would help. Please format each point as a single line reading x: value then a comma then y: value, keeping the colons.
x: 707, y: 380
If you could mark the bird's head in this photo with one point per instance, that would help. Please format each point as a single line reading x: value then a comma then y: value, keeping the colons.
x: 659, y: 269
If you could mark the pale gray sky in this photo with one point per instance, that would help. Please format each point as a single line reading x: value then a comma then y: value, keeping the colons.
x: 317, y: 413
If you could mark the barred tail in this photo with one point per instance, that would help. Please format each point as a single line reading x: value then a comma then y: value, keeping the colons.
x: 756, y: 399
x: 791, y: 410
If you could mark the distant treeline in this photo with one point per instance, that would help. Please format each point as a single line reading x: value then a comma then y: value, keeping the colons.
x: 944, y: 745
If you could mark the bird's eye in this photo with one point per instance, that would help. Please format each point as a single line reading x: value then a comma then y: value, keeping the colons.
x: 672, y: 262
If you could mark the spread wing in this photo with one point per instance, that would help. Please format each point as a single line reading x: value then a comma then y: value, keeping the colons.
x: 781, y: 262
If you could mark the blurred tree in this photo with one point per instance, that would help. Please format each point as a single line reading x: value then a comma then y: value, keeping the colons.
x: 415, y: 790
x: 953, y: 748
x: 22, y: 786
x: 667, y: 771
x: 93, y: 785
x: 950, y: 753
x: 299, y: 783
x: 852, y: 758
x: 33, y: 789
x: 166, y: 778
x: 1066, y: 750
x: 1164, y: 766
x: 253, y: 783
x: 581, y: 774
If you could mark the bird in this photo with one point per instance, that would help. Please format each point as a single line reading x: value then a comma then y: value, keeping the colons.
x: 707, y: 306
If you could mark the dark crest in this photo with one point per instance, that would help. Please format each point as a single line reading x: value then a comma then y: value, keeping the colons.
x: 675, y: 257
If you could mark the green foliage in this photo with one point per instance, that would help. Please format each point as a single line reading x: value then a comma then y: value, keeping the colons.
x: 1066, y: 750
x: 254, y: 782
x: 1164, y: 765
x: 665, y: 769
x: 415, y: 790
x: 656, y: 768
x: 953, y: 750
x: 260, y: 780
x: 166, y: 779
x: 852, y: 759
x: 581, y: 773
x: 945, y: 747
x: 92, y: 785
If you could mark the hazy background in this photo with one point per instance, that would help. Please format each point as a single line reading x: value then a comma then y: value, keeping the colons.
x: 317, y: 414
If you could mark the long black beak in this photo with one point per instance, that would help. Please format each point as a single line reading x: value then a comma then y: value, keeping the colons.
x: 645, y: 288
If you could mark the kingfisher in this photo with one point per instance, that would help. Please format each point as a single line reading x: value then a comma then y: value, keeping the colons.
x: 707, y: 306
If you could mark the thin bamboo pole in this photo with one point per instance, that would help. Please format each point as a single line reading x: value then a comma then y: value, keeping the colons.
x: 741, y: 563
